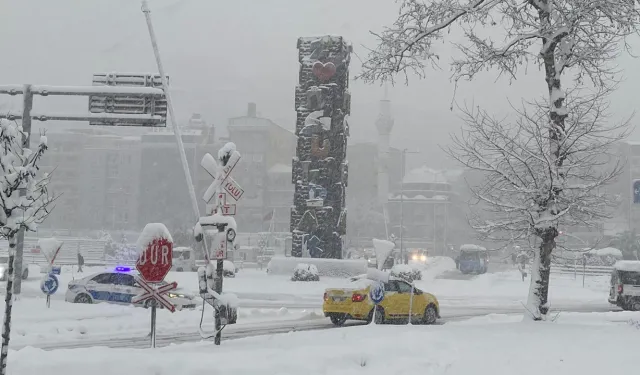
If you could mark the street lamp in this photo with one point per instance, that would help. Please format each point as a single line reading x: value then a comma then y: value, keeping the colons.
x: 404, y: 259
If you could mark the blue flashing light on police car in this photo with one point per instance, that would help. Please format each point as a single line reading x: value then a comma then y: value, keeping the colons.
x: 123, y: 269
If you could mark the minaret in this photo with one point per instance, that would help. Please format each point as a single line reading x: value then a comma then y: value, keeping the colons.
x: 384, y: 123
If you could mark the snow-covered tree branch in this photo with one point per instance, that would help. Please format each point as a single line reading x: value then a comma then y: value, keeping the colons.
x: 24, y: 203
x: 524, y: 194
x: 581, y: 37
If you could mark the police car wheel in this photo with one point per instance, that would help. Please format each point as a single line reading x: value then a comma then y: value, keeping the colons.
x: 82, y: 298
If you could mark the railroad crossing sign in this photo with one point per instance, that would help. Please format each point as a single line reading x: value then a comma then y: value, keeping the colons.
x: 155, y: 261
x: 227, y: 208
x: 221, y: 176
x: 151, y: 292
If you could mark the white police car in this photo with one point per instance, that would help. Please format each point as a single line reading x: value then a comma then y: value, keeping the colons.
x: 119, y: 287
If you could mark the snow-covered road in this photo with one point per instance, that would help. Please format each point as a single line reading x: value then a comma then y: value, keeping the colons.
x: 269, y: 328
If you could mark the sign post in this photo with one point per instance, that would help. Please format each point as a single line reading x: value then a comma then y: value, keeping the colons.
x: 225, y: 229
x: 154, y: 263
x: 376, y: 293
x: 49, y: 285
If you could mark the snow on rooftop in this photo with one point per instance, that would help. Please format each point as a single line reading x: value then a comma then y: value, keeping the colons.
x: 426, y: 175
x: 627, y: 265
x: 607, y: 251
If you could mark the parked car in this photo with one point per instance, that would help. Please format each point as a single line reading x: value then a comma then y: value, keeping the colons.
x: 625, y: 285
x: 118, y: 287
x: 342, y: 304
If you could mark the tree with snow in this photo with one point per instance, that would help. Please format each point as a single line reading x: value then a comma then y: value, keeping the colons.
x: 562, y: 37
x: 24, y: 204
x: 525, y: 194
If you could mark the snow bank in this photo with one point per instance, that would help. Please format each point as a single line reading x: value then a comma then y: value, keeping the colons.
x: 501, y: 348
x: 383, y: 249
x: 151, y: 232
x: 377, y: 275
x: 326, y: 267
x: 607, y: 251
x: 627, y: 265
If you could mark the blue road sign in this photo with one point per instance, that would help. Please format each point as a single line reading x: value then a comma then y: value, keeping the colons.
x: 636, y: 191
x: 49, y: 284
x: 376, y: 293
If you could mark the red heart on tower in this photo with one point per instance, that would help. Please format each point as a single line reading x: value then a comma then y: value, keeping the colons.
x: 324, y: 71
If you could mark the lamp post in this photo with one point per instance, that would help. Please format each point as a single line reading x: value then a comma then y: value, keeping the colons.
x: 404, y: 260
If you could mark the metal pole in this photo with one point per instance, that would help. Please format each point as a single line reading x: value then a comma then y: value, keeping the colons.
x: 153, y: 323
x: 434, y: 227
x: 411, y: 304
x: 48, y: 301
x: 172, y: 117
x: 27, y: 105
x: 446, y: 225
x: 219, y: 276
x: 402, y: 208
x: 8, y: 301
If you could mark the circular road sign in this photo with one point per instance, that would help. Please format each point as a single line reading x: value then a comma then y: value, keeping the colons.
x: 376, y: 293
x: 49, y: 284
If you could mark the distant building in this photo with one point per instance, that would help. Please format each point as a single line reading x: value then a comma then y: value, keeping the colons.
x: 264, y: 172
x: 428, y: 206
x: 163, y: 192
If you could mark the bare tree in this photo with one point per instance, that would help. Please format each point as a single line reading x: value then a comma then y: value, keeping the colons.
x: 525, y: 192
x: 24, y: 204
x: 560, y: 36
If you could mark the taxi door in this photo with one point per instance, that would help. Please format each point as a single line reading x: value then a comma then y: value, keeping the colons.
x: 393, y: 300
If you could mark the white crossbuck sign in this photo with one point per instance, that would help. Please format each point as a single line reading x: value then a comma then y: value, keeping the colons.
x: 221, y: 177
x: 155, y: 293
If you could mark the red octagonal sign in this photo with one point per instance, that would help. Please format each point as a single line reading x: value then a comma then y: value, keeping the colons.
x: 155, y: 261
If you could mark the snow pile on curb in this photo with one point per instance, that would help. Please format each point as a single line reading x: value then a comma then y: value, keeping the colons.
x: 326, y: 267
x: 437, y: 265
x: 509, y: 347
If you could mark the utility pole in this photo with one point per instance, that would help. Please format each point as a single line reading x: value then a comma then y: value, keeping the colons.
x: 405, y: 259
x: 27, y: 105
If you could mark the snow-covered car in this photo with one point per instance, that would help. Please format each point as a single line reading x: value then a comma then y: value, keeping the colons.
x: 118, y: 287
x: 4, y: 268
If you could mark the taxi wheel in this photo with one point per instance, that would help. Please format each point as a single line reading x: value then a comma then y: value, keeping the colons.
x: 338, y: 319
x: 82, y: 298
x: 430, y: 315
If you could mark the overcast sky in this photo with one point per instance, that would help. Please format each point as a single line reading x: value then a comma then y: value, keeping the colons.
x: 221, y: 54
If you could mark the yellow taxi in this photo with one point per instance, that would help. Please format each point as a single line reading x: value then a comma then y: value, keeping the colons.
x: 342, y: 304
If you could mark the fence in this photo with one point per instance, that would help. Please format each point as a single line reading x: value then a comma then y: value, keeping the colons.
x: 578, y: 269
x: 92, y: 251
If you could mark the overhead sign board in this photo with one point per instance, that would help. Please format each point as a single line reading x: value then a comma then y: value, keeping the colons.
x: 128, y: 105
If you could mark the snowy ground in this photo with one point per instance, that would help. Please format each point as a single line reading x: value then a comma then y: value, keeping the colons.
x: 593, y: 343
x: 265, y: 298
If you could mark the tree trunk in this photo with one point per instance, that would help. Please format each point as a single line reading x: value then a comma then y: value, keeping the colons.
x: 6, y: 327
x: 537, y: 302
